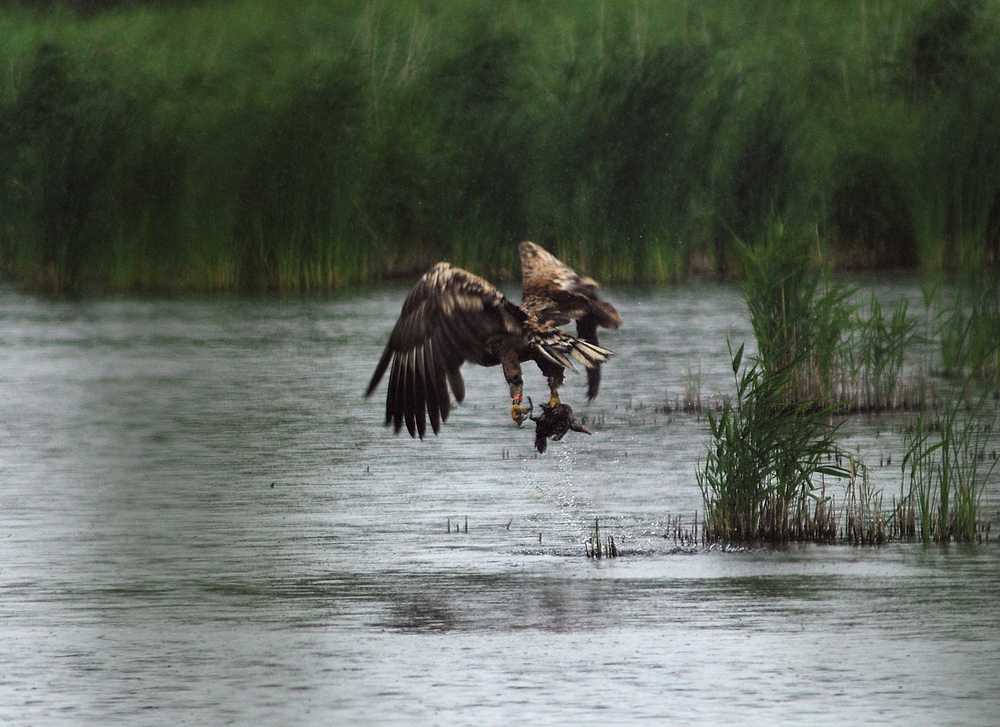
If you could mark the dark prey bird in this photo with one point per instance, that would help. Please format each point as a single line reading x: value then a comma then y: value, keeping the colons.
x: 452, y: 316
x: 554, y: 422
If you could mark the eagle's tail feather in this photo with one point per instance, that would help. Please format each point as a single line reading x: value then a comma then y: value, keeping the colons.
x: 556, y: 356
x: 562, y: 349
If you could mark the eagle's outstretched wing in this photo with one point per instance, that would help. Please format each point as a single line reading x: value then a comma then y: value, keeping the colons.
x: 557, y: 294
x: 450, y: 316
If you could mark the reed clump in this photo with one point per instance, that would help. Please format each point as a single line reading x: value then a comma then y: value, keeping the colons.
x: 884, y: 342
x: 761, y: 479
x: 945, y: 471
x: 799, y: 316
x: 866, y: 523
x: 848, y: 357
x: 970, y: 330
x: 822, y: 355
x: 596, y: 547
x: 685, y: 534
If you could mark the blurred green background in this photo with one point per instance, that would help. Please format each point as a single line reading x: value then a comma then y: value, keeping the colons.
x: 291, y: 146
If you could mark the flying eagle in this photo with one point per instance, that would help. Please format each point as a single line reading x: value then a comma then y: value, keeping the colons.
x: 452, y: 316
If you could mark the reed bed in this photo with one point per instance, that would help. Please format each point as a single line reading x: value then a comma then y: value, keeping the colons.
x: 749, y: 498
x: 821, y: 356
x: 852, y: 354
x: 762, y: 475
x: 945, y: 471
x: 970, y: 330
x: 249, y: 145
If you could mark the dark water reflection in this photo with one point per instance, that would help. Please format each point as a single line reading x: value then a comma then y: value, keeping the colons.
x: 203, y: 522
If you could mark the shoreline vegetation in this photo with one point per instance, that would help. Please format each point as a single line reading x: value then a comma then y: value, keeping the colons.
x: 773, y: 452
x: 260, y: 146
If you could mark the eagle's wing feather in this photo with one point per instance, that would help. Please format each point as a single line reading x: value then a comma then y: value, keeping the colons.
x: 556, y: 294
x: 449, y: 317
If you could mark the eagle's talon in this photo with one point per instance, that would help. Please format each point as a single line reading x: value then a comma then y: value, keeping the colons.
x: 553, y: 400
x: 518, y: 414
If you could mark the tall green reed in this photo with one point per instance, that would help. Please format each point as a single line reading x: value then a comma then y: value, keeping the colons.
x: 254, y: 145
x: 970, y: 330
x: 759, y: 480
x: 865, y: 521
x: 799, y: 315
x: 947, y: 66
x: 849, y: 356
x: 883, y: 346
x: 944, y: 479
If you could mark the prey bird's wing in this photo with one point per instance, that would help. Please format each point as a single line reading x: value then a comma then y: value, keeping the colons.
x: 449, y: 317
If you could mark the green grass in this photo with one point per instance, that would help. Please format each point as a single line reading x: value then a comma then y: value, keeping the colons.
x: 799, y: 316
x: 770, y: 448
x: 970, y: 330
x: 850, y: 356
x: 866, y: 522
x: 884, y: 342
x: 250, y: 145
x: 762, y: 475
x: 820, y: 355
x: 945, y: 471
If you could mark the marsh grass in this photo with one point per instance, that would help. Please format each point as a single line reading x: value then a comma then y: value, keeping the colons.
x: 945, y: 469
x: 884, y: 342
x: 865, y: 521
x: 970, y: 330
x: 798, y: 315
x: 822, y: 356
x: 849, y: 356
x: 267, y: 146
x: 598, y: 547
x: 685, y: 533
x: 760, y: 477
x: 819, y: 352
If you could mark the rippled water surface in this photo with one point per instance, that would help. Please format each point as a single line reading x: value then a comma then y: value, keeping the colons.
x: 203, y: 522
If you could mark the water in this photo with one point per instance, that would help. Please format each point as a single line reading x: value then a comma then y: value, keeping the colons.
x: 202, y: 522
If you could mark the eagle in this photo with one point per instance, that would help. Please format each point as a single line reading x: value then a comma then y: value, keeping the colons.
x: 452, y: 316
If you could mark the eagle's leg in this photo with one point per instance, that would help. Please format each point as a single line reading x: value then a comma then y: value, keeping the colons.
x: 554, y: 383
x: 512, y: 372
x: 555, y: 375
